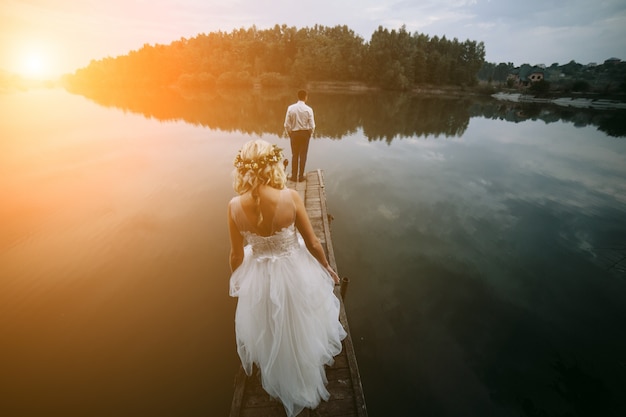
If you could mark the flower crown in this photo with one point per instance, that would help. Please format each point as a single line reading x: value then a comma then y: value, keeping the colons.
x: 274, y: 156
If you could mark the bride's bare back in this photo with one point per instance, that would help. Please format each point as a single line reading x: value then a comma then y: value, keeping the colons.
x: 277, y: 208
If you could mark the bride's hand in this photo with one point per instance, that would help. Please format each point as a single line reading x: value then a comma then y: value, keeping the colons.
x: 333, y: 274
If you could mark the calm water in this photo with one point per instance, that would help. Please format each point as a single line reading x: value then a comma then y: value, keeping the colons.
x: 483, y: 243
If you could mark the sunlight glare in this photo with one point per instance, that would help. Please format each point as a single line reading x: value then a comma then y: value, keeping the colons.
x: 33, y: 65
x: 33, y: 59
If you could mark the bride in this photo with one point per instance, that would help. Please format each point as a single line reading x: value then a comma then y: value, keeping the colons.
x: 287, y: 318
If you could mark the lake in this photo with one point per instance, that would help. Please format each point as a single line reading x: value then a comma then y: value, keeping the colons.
x: 484, y: 242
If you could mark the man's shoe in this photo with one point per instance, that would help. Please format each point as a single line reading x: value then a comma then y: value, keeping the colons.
x: 302, y: 179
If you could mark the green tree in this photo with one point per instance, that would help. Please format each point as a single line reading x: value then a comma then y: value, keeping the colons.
x: 393, y: 59
x: 539, y: 88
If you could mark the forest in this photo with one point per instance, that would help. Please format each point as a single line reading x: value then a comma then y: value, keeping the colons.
x: 288, y: 56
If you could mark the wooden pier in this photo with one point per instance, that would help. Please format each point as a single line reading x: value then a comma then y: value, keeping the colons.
x: 344, y: 381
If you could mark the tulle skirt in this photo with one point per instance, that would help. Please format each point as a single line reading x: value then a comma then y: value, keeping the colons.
x: 287, y: 323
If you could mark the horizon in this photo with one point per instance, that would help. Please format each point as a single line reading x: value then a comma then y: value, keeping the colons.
x: 44, y: 41
x: 57, y: 77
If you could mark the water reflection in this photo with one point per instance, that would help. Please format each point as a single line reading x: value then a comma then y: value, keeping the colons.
x: 113, y: 269
x: 478, y: 279
x: 480, y: 259
x: 380, y: 115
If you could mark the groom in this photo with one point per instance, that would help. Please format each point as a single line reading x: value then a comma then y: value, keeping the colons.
x: 299, y: 125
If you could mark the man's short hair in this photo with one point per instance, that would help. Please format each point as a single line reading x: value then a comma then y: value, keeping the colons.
x: 302, y: 94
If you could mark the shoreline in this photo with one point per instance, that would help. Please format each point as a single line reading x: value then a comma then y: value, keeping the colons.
x: 576, y: 102
x: 590, y: 101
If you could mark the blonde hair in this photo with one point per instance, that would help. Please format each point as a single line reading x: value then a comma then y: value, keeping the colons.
x: 258, y: 163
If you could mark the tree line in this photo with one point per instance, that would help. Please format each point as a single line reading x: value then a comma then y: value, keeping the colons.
x: 284, y: 55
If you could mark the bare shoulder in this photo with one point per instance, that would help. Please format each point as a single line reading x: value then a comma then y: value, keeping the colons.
x: 233, y: 201
x: 231, y: 206
x: 295, y: 196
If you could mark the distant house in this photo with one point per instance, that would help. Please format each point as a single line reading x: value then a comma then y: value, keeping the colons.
x: 535, y: 76
x: 526, y: 75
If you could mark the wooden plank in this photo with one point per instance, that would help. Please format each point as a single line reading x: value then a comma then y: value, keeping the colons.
x: 348, y: 346
x: 240, y: 386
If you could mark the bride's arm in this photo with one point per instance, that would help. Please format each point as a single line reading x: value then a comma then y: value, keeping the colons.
x: 236, y: 242
x: 313, y: 244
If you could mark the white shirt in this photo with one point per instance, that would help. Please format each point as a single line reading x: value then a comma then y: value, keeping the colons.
x: 299, y: 117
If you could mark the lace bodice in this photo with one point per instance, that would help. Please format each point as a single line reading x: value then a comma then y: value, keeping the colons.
x: 284, y: 241
x: 280, y: 244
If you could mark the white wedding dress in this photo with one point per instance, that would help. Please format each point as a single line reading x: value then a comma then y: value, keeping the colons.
x: 287, y: 318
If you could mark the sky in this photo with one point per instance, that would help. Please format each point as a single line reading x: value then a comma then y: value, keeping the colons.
x: 47, y: 38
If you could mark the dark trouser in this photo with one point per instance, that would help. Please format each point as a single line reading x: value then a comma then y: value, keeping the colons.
x: 299, y: 148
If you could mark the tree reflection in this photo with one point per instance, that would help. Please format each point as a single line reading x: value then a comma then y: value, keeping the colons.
x: 612, y: 122
x: 380, y: 115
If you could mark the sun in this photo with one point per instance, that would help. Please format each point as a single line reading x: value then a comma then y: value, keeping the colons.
x: 34, y: 59
x: 33, y: 64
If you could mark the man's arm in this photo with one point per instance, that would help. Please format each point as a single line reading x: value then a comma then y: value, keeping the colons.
x: 312, y: 121
x: 289, y: 121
